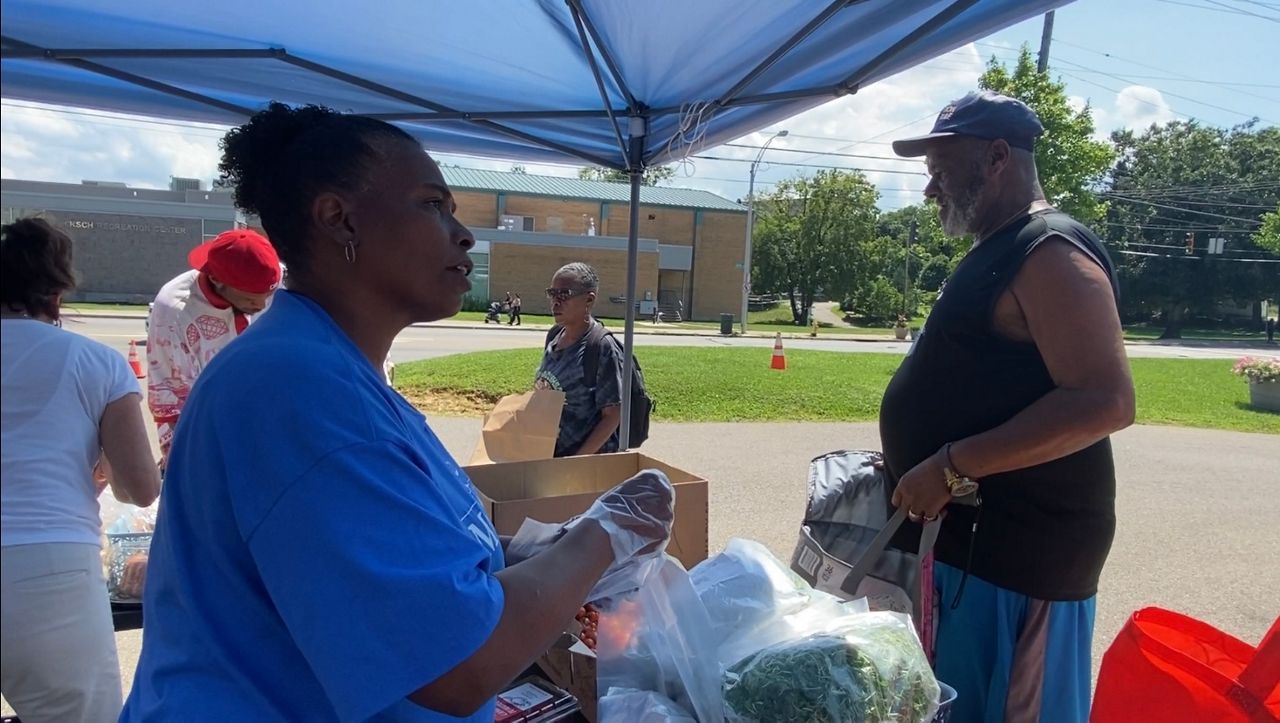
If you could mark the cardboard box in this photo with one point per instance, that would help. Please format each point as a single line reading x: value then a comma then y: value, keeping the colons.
x: 571, y: 665
x: 554, y: 490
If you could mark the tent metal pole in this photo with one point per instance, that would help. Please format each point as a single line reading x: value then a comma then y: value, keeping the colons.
x: 632, y: 105
x: 637, y: 133
x: 33, y: 53
x: 464, y: 115
x: 786, y: 47
x: 851, y: 83
x: 431, y: 105
x: 574, y: 9
x: 140, y: 81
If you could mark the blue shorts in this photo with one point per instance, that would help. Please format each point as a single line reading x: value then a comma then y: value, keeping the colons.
x: 1012, y: 657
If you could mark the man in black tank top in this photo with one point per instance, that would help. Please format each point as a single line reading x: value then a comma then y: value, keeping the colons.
x: 1000, y: 415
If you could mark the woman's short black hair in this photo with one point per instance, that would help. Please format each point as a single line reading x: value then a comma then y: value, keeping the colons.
x: 283, y: 157
x: 35, y: 267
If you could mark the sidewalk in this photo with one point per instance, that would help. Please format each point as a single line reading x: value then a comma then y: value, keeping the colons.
x: 642, y: 327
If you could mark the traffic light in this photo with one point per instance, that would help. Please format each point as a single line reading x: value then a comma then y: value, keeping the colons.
x: 1191, y: 242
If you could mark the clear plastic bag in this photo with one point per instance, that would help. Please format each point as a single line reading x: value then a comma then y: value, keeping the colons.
x: 126, y: 545
x: 126, y: 562
x: 627, y: 705
x: 753, y: 600
x: 860, y: 668
x: 658, y: 638
x: 121, y: 517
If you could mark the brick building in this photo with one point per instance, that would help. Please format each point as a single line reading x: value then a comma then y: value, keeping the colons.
x: 130, y: 241
x: 527, y: 226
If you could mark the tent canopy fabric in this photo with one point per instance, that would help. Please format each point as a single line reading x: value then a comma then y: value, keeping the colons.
x: 624, y: 84
x: 501, y: 78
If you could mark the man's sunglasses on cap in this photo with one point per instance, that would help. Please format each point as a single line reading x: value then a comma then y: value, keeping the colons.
x: 563, y: 294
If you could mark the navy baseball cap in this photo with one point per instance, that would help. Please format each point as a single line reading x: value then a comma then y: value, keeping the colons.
x: 982, y: 114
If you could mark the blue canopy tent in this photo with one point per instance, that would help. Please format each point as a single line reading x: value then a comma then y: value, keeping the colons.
x: 616, y: 83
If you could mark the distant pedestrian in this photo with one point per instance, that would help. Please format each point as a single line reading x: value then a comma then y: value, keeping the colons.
x: 515, y: 310
x: 592, y: 407
x: 1271, y: 331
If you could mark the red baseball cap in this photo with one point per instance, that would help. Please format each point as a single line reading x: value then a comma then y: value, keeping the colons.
x: 241, y: 258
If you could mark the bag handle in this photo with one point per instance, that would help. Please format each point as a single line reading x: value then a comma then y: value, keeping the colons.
x: 880, y: 542
x: 1262, y: 675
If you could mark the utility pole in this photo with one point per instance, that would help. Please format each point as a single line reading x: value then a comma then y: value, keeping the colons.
x: 906, y: 276
x: 1046, y: 36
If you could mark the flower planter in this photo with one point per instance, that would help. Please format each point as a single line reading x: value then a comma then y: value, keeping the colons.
x: 1265, y: 395
x: 900, y: 332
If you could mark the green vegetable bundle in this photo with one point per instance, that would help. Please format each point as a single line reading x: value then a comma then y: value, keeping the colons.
x: 870, y: 670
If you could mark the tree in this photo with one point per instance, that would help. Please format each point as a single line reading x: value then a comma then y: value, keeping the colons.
x: 812, y: 235
x: 653, y: 175
x: 1268, y: 237
x: 1071, y: 163
x: 1185, y: 183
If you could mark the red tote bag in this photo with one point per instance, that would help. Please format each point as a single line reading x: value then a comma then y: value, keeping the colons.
x: 1164, y: 666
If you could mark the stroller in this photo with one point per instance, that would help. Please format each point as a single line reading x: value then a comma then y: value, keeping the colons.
x: 495, y: 309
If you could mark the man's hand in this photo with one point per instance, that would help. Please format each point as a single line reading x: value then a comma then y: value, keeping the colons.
x: 134, y: 576
x: 922, y: 491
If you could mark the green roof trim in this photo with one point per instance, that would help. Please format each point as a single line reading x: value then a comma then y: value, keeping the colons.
x: 473, y: 179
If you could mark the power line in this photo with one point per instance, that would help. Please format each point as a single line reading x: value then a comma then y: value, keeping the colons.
x: 834, y: 139
x: 1242, y: 11
x: 1166, y: 92
x: 1196, y: 229
x: 1148, y: 66
x: 1224, y: 9
x: 1235, y: 185
x: 896, y: 159
x: 1183, y: 210
x: 814, y: 165
x: 895, y: 129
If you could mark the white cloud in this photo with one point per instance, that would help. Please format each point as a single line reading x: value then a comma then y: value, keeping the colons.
x: 1139, y: 106
x: 52, y: 144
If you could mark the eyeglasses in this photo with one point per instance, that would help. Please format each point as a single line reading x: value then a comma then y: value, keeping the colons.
x: 565, y: 294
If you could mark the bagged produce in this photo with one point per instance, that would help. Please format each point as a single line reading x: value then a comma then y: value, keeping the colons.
x: 658, y: 638
x: 863, y: 668
x: 753, y: 600
x: 640, y: 706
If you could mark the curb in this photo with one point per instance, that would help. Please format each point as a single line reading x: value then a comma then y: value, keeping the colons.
x: 542, y: 329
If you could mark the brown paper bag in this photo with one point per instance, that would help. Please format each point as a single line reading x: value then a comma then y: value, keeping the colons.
x: 522, y: 427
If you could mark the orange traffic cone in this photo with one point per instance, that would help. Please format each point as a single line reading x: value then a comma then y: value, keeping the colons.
x: 779, y: 357
x: 134, y: 364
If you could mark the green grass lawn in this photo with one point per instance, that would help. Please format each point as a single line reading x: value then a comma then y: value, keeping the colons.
x: 817, y: 386
x: 1151, y: 332
x: 89, y: 306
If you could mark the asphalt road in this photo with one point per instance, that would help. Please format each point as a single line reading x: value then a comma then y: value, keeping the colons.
x: 1197, y: 508
x: 421, y: 342
x: 1197, y: 511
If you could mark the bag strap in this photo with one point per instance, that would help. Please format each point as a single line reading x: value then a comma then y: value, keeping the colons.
x: 880, y: 542
x: 595, y: 336
x: 1262, y: 675
x: 590, y: 366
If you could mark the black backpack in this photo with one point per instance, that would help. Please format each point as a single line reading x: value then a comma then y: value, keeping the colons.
x: 642, y: 405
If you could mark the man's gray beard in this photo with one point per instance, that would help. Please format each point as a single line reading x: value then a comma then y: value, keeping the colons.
x: 962, y: 211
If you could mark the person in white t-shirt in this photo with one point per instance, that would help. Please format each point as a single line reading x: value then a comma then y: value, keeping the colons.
x: 199, y: 312
x: 67, y: 402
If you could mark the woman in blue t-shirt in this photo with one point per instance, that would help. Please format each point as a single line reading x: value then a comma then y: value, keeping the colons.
x: 319, y: 556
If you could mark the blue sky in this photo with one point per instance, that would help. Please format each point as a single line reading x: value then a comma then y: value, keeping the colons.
x: 1136, y: 62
